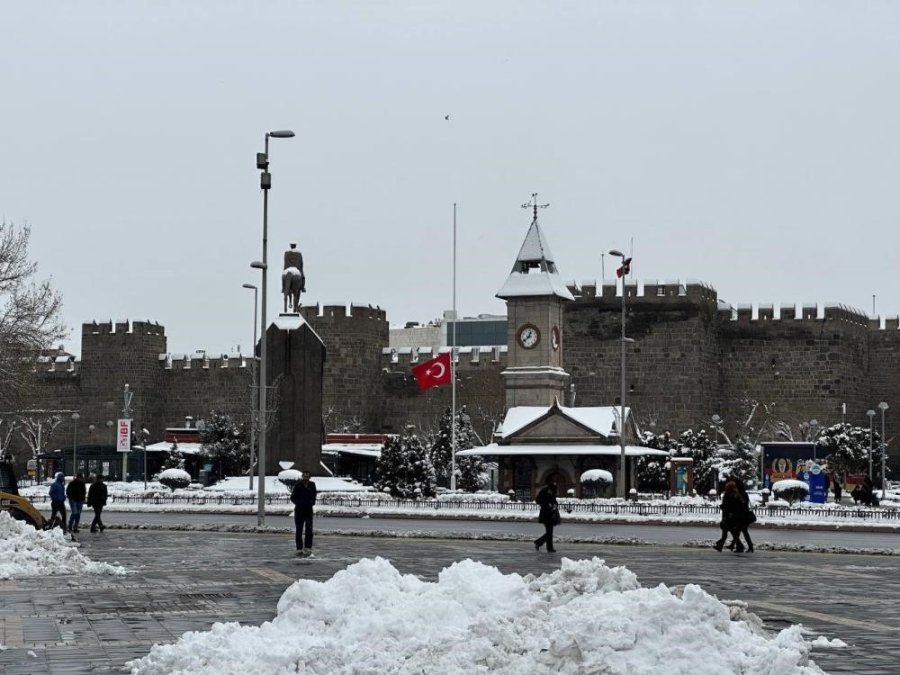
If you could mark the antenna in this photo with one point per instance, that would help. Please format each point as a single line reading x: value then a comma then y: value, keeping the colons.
x: 533, y: 204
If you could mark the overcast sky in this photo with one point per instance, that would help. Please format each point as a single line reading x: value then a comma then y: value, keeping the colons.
x: 751, y: 145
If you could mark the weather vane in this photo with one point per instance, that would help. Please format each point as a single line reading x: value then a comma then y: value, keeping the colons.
x: 533, y: 204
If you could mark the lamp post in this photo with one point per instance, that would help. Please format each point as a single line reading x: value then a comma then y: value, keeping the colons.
x: 882, y: 407
x: 621, y: 489
x: 265, y: 183
x: 871, y: 414
x: 75, y: 418
x: 813, y: 425
x: 145, y: 435
x: 253, y: 378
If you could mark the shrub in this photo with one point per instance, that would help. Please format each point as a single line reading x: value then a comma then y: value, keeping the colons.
x: 175, y: 479
x: 289, y: 478
x: 790, y: 490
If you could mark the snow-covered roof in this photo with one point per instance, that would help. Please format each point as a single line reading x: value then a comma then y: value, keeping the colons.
x: 292, y: 322
x: 494, y: 450
x: 601, y: 420
x: 534, y: 272
x: 183, y: 448
x: 360, y: 449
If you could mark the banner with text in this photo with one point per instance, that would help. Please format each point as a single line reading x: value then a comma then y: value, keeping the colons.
x: 123, y: 438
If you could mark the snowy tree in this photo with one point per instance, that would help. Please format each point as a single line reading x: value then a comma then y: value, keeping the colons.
x: 227, y: 442
x: 652, y: 472
x: 846, y: 448
x: 404, y: 467
x: 468, y: 469
x: 36, y: 428
x: 175, y: 458
x: 29, y: 317
x: 740, y: 460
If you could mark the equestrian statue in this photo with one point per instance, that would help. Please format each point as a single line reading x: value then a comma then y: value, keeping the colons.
x: 293, y: 282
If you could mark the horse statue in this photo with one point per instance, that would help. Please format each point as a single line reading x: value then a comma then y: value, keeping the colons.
x: 293, y: 281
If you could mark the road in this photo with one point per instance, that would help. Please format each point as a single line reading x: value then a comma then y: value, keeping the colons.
x: 654, y: 534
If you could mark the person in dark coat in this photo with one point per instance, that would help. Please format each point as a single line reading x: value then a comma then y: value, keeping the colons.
x: 76, y: 492
x: 96, y: 499
x: 58, y: 499
x: 548, y: 515
x: 731, y: 513
x: 836, y: 488
x: 304, y: 498
x: 745, y: 516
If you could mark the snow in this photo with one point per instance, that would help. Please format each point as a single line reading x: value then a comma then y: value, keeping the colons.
x: 26, y: 552
x: 598, y: 419
x: 174, y: 474
x: 788, y: 484
x: 585, y: 617
x: 494, y: 450
x: 240, y: 485
x: 596, y: 476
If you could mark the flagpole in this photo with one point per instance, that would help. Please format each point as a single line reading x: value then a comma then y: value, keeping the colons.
x: 453, y: 368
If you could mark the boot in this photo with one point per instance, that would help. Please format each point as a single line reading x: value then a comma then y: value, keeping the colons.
x: 718, y: 546
x: 739, y: 547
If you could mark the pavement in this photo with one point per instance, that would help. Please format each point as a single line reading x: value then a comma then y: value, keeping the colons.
x: 182, y: 581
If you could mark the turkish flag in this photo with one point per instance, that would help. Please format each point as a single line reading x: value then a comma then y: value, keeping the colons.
x: 624, y: 268
x: 434, y: 372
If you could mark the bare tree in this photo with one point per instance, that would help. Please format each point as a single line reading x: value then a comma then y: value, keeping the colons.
x: 37, y: 429
x: 29, y: 316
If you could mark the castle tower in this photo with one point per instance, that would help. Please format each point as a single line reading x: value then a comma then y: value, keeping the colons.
x: 535, y: 295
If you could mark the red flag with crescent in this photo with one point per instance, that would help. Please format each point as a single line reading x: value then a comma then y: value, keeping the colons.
x: 433, y: 372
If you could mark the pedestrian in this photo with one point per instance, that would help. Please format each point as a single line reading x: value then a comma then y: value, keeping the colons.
x: 304, y: 498
x: 836, y: 488
x: 96, y: 499
x: 76, y: 492
x: 58, y: 499
x: 548, y: 515
x: 731, y: 510
x: 745, y: 516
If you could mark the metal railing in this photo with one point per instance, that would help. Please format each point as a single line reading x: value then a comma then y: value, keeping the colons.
x: 655, y: 508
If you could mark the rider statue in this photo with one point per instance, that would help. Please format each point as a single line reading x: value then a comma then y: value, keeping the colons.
x: 293, y: 282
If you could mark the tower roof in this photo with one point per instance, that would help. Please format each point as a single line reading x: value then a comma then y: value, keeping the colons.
x: 534, y: 272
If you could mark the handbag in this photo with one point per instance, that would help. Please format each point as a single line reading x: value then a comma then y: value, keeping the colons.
x: 554, y: 515
x: 751, y: 517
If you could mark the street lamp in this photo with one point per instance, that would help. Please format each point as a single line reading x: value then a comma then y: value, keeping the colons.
x: 253, y: 377
x: 145, y: 435
x: 621, y: 489
x: 871, y: 414
x: 882, y: 407
x: 265, y: 183
x: 75, y: 418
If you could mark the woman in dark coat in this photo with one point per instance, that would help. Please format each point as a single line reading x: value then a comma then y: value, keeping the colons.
x: 732, y: 508
x: 549, y: 513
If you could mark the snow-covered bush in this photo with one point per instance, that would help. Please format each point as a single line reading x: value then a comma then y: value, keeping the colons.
x: 289, y: 478
x: 175, y: 479
x: 594, y: 482
x: 790, y: 490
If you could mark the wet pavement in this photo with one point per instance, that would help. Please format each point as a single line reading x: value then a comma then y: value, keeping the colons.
x: 182, y: 581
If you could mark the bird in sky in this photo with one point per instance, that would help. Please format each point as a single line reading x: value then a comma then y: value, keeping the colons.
x: 447, y: 117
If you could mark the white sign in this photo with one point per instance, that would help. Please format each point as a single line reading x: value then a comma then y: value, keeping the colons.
x: 123, y: 437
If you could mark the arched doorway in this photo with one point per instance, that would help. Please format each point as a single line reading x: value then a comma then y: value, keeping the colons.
x: 563, y: 482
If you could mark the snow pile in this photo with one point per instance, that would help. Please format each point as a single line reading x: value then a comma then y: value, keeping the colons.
x: 26, y: 552
x: 583, y: 618
x: 789, y: 484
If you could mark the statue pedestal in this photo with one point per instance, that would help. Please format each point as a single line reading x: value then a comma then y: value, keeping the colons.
x: 295, y: 368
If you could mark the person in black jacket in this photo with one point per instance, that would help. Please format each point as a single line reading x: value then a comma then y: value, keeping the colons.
x: 76, y: 491
x: 745, y: 516
x: 304, y: 498
x: 548, y: 515
x: 96, y: 499
x: 732, y: 508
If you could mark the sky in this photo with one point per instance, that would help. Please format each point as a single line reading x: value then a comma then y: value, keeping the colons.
x: 747, y: 145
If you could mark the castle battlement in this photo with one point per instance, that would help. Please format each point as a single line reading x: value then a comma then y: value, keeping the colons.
x: 343, y: 310
x: 124, y: 326
x: 410, y: 356
x: 647, y: 290
x: 202, y: 360
x: 748, y: 313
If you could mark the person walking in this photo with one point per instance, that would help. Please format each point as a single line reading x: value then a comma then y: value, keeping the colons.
x: 304, y: 498
x: 548, y: 515
x: 731, y: 509
x: 745, y: 517
x: 96, y: 499
x: 76, y: 492
x: 836, y: 487
x: 58, y: 499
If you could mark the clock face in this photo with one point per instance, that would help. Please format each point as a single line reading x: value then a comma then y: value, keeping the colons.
x: 554, y: 337
x: 529, y: 336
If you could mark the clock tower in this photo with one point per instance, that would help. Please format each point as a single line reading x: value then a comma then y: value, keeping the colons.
x: 535, y: 295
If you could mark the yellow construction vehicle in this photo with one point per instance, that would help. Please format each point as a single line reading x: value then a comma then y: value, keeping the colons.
x: 17, y: 506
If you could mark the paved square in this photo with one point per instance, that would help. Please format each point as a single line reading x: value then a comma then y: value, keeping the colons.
x: 183, y: 581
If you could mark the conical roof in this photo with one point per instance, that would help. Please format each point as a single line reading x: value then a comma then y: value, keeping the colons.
x: 534, y: 271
